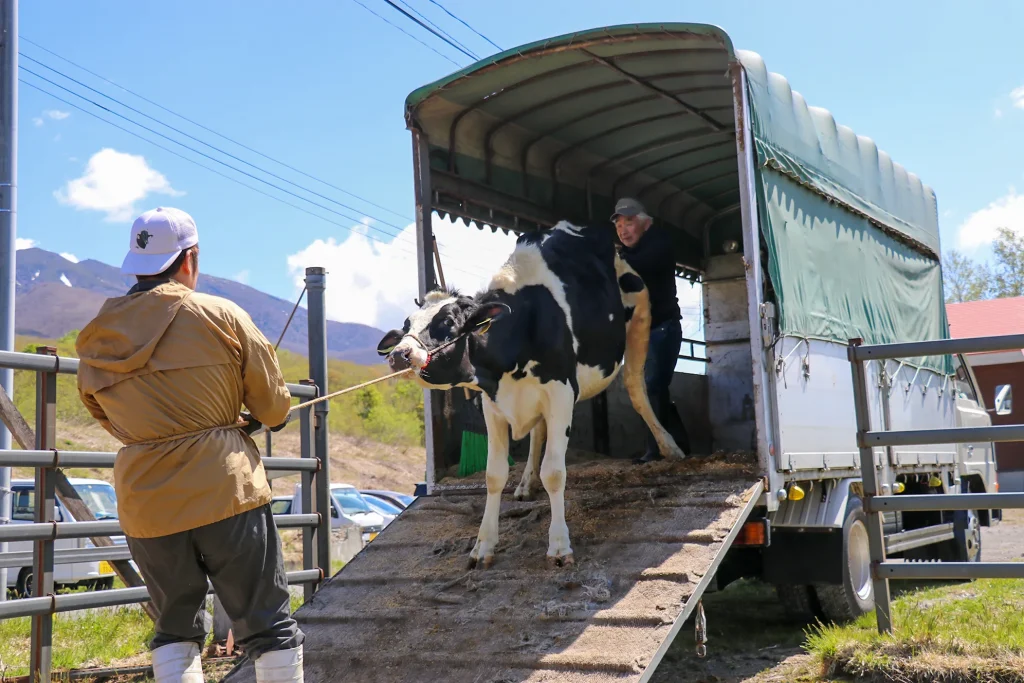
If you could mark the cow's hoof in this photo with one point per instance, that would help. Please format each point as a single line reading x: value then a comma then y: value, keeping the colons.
x: 486, y: 563
x: 524, y: 493
x: 675, y: 453
x: 482, y: 555
x: 563, y: 561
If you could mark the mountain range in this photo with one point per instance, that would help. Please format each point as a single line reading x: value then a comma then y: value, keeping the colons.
x: 54, y: 296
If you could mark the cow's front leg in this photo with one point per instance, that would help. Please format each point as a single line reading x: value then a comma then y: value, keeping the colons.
x: 552, y: 473
x: 497, y: 475
x: 531, y: 474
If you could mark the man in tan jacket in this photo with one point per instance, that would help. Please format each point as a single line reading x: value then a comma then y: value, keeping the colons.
x: 166, y: 370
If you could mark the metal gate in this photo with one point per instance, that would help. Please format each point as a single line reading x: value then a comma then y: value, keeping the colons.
x: 875, y: 503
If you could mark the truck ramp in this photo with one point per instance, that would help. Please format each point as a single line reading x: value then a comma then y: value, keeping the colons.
x: 646, y: 541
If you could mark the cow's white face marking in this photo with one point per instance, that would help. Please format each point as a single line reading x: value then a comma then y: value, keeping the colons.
x: 419, y: 321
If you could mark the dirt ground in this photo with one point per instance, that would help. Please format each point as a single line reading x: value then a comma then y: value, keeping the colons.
x: 1005, y: 541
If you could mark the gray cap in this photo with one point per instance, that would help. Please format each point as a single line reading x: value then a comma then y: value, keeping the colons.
x: 628, y: 207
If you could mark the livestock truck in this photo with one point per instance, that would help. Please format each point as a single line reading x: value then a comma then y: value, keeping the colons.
x: 802, y: 235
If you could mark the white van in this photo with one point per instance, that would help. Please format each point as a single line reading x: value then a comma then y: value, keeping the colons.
x: 99, y: 496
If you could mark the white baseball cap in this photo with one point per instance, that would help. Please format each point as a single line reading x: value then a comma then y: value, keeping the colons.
x: 157, y: 238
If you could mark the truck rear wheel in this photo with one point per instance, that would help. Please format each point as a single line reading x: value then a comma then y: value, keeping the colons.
x: 24, y: 586
x: 965, y: 545
x: 799, y: 603
x: 855, y: 595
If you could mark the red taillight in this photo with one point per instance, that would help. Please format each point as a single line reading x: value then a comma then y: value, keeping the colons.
x: 753, y: 533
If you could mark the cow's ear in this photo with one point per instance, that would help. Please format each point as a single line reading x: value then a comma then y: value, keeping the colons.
x: 389, y: 342
x: 480, y: 319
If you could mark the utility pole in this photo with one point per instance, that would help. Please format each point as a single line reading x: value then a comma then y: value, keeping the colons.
x: 8, y: 230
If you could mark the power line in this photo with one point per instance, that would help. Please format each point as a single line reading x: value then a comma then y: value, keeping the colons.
x: 463, y: 51
x: 192, y: 137
x: 429, y: 47
x: 466, y: 25
x: 203, y: 154
x: 424, y: 18
x: 224, y: 175
x: 210, y: 130
x: 441, y: 246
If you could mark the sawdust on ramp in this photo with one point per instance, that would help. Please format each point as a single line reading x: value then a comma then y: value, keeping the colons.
x: 407, y: 608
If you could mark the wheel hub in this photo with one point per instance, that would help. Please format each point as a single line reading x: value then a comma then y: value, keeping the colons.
x: 860, y: 560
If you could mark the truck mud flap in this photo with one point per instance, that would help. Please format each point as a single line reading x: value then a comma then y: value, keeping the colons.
x: 647, y: 541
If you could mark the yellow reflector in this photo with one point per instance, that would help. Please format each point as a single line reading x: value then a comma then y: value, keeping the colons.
x: 795, y: 492
x: 935, y: 482
x: 899, y: 487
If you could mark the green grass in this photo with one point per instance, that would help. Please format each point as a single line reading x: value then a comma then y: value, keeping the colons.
x: 91, y: 639
x: 968, y: 631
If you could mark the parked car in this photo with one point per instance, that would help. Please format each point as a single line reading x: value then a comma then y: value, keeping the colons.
x: 354, y: 505
x: 101, y: 499
x: 347, y: 507
x: 399, y: 500
x: 382, y: 506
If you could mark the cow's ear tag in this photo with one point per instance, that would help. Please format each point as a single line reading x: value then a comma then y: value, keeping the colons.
x: 484, y: 326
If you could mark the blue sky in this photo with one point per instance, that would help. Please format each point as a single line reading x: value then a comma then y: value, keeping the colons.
x: 321, y: 86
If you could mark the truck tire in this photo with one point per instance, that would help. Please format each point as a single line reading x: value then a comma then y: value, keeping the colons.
x: 799, y: 603
x: 855, y: 595
x: 24, y: 585
x: 966, y: 543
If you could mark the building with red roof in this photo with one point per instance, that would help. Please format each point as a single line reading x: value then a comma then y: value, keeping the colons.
x: 995, y: 370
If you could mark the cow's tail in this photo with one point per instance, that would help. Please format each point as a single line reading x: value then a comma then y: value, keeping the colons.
x: 637, y: 304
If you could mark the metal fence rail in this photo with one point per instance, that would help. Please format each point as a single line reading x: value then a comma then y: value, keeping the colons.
x: 46, y: 460
x: 875, y: 503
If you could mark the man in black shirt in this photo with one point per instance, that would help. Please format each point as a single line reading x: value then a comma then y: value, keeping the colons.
x: 648, y: 250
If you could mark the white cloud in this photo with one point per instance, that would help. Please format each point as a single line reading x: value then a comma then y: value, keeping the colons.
x: 23, y: 243
x: 112, y: 183
x: 69, y: 257
x: 56, y: 114
x: 38, y: 121
x: 981, y: 227
x: 998, y: 113
x: 56, y: 138
x: 1017, y: 97
x: 242, y: 277
x: 375, y: 284
x: 65, y: 280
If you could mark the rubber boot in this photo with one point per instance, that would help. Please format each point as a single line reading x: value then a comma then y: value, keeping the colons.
x: 177, y: 663
x: 280, y: 666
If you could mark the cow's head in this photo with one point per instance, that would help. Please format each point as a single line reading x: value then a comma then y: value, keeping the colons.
x: 437, y: 338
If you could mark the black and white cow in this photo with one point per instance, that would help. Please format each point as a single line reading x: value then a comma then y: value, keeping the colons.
x: 551, y: 330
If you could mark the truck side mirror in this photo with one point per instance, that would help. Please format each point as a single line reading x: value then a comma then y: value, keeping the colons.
x: 1004, y: 399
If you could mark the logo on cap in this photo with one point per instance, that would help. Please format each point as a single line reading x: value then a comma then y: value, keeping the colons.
x: 142, y: 239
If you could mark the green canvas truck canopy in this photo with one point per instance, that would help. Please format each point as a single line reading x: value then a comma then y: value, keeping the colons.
x: 560, y: 128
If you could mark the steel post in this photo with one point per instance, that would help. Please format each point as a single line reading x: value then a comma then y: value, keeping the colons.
x: 40, y: 653
x: 306, y: 490
x: 876, y: 538
x: 8, y: 232
x: 433, y: 429
x: 316, y: 281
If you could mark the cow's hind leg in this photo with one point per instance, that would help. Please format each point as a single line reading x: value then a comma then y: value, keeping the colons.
x: 552, y: 472
x: 497, y: 475
x: 638, y: 331
x: 531, y: 474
